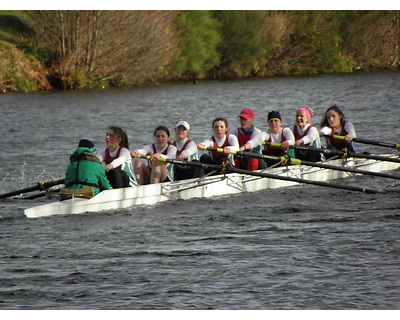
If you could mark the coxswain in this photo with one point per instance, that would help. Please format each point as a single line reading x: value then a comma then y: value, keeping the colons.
x: 85, y: 169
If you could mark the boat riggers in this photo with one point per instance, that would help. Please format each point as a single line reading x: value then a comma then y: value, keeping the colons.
x: 367, y: 141
x: 288, y: 161
x: 42, y: 186
x: 341, y: 153
x: 220, y: 168
x: 229, y: 169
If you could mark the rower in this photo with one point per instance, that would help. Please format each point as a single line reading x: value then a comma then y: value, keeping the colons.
x: 277, y: 134
x: 334, y: 123
x: 155, y: 171
x: 220, y: 139
x: 116, y: 159
x: 250, y: 139
x: 306, y: 135
x: 187, y: 151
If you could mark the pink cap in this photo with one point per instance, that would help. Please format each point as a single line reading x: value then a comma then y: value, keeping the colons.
x: 247, y: 114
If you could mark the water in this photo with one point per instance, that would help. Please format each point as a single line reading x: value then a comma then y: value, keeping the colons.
x: 296, y: 248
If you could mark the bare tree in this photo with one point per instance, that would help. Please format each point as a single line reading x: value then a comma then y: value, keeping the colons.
x: 118, y: 47
x: 396, y: 38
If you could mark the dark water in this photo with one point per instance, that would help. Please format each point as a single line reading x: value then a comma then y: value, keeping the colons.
x: 295, y: 248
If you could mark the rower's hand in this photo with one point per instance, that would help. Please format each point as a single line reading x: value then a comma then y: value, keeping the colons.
x: 200, y: 146
x: 155, y: 157
x: 243, y: 147
x: 135, y: 153
x: 285, y: 145
x: 181, y: 157
x: 299, y: 142
x: 348, y: 137
x: 108, y: 167
x: 227, y: 150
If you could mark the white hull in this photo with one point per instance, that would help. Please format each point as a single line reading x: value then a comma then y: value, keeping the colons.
x: 232, y: 183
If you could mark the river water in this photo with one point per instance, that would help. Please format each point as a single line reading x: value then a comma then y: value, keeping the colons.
x: 296, y: 248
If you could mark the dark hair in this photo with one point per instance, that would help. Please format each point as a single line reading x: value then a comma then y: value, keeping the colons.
x: 163, y: 128
x: 220, y: 119
x: 121, y: 134
x: 325, y: 123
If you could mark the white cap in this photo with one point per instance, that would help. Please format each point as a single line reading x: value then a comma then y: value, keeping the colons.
x: 183, y: 123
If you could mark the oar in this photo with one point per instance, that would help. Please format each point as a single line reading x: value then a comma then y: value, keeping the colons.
x: 42, y: 194
x: 337, y: 152
x: 45, y: 185
x: 226, y: 169
x: 367, y: 141
x: 308, y: 163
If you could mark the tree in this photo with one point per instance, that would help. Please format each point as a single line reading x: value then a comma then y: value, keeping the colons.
x: 106, y: 47
x: 372, y: 39
x: 316, y: 43
x: 242, y: 47
x: 198, y: 43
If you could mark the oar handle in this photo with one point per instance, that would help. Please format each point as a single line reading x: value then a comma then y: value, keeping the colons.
x: 173, y: 161
x: 344, y: 154
x: 167, y: 160
x: 220, y: 168
x: 306, y: 148
x: 274, y: 144
x: 366, y: 141
x: 282, y: 160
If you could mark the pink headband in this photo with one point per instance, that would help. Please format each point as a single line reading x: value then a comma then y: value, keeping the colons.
x: 308, y: 113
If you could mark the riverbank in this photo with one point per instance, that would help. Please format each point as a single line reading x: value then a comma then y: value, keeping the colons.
x: 70, y: 50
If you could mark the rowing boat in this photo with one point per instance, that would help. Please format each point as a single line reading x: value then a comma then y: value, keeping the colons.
x: 205, y: 187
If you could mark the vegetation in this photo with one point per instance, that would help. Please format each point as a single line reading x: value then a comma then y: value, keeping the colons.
x: 41, y: 50
x: 198, y: 42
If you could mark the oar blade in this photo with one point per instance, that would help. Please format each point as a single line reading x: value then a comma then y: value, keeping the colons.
x: 45, y: 185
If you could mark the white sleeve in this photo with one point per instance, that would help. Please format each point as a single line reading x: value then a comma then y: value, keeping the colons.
x: 288, y: 134
x: 326, y: 130
x: 233, y: 142
x: 147, y: 150
x: 124, y: 155
x: 311, y: 136
x: 349, y: 127
x: 208, y: 143
x: 171, y: 154
x: 256, y: 138
x: 191, y: 150
x: 265, y: 136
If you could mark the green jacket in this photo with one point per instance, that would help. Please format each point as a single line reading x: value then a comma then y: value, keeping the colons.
x: 85, y: 170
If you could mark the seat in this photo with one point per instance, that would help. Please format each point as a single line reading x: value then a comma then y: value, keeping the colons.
x: 87, y: 193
